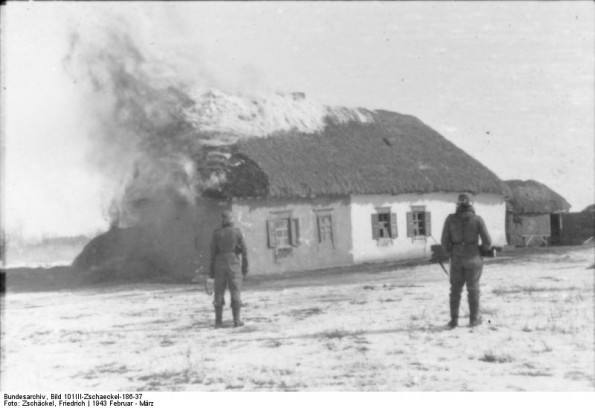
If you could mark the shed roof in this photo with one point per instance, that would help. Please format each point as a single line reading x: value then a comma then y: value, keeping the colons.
x: 533, y: 197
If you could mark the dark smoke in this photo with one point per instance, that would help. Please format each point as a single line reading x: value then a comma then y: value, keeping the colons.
x: 140, y: 135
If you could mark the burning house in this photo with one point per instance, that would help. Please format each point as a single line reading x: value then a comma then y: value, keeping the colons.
x: 311, y: 186
x: 353, y: 192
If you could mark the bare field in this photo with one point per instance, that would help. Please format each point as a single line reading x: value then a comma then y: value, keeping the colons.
x: 380, y: 331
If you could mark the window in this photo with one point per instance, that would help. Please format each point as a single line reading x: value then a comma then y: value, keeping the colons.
x: 384, y: 224
x: 326, y: 229
x: 419, y: 222
x: 283, y: 232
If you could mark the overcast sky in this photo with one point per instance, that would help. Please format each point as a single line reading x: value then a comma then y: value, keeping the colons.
x: 511, y: 83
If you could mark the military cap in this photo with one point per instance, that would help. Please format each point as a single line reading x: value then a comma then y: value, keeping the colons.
x: 226, y: 217
x: 464, y: 200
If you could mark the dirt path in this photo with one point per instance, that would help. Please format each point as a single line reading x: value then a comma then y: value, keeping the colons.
x: 363, y: 331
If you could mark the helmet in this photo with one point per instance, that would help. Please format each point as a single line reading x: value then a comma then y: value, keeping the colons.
x: 464, y: 200
x: 226, y: 217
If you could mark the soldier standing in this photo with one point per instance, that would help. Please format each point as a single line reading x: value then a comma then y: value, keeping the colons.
x: 229, y: 264
x: 460, y: 239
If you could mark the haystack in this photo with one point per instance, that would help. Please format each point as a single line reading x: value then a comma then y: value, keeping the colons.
x: 120, y: 254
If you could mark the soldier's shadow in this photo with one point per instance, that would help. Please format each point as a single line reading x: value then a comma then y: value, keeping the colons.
x: 422, y: 329
x: 330, y: 334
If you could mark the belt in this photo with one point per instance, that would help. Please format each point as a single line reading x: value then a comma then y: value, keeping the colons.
x: 464, y: 243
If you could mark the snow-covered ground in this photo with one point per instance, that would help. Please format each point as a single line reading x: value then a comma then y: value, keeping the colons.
x: 361, y: 331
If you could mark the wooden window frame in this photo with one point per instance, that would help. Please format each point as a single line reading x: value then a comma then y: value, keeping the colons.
x: 333, y: 229
x: 419, y: 219
x: 293, y: 230
x: 391, y: 229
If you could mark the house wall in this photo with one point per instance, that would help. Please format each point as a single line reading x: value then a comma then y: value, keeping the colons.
x: 352, y: 229
x: 251, y: 216
x: 520, y: 225
x: 491, y: 207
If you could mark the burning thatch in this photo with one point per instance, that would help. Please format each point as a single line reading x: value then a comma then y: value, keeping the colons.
x: 230, y: 118
x: 532, y: 197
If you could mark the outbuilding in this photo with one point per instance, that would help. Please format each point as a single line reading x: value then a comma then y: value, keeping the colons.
x: 534, y: 214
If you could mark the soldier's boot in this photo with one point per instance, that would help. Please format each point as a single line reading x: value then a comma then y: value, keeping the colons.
x: 218, y: 316
x: 454, y: 311
x: 235, y: 310
x: 474, y: 317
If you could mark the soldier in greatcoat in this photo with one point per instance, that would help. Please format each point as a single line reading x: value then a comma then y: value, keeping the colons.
x: 460, y: 238
x: 229, y: 264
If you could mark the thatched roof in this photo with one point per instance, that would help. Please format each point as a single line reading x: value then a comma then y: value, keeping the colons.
x: 393, y: 154
x: 532, y: 197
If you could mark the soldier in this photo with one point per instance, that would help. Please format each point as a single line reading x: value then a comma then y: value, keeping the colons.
x: 460, y: 239
x: 226, y: 265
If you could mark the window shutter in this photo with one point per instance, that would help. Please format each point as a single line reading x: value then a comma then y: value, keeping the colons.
x: 294, y: 231
x: 375, y: 226
x: 393, y: 225
x: 409, y: 224
x: 428, y: 220
x: 319, y: 233
x: 272, y: 238
x: 333, y: 230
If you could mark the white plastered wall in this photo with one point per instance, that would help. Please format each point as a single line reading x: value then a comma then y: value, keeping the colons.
x: 490, y: 207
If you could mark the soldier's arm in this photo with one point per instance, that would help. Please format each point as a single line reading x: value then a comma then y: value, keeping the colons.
x: 445, y: 240
x: 213, y: 255
x: 486, y: 240
x: 243, y: 251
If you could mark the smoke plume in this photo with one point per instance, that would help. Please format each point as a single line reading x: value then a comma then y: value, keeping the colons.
x: 149, y: 123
